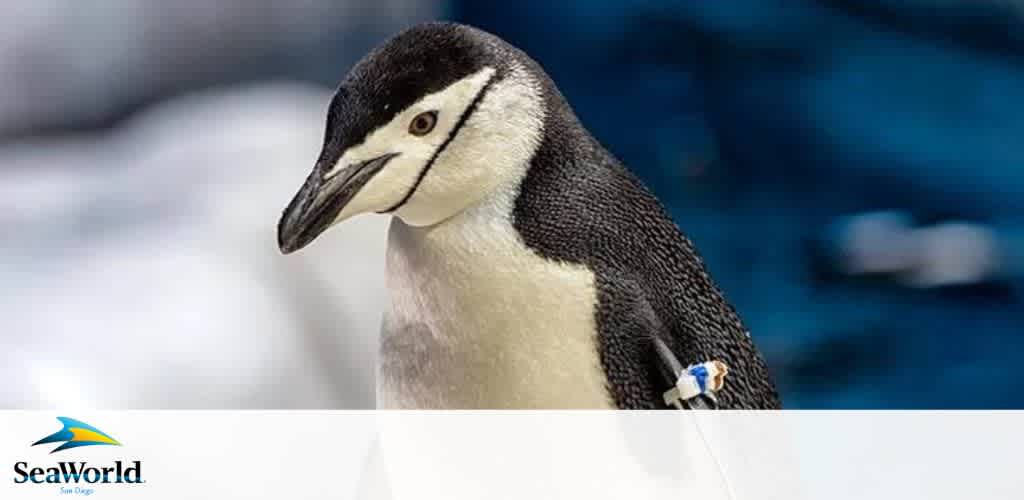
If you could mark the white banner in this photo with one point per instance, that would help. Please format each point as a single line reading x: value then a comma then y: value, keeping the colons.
x: 493, y: 455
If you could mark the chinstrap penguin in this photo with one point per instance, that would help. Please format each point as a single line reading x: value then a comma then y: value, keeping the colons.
x: 527, y: 267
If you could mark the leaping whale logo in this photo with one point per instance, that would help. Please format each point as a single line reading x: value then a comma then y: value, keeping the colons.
x: 76, y: 433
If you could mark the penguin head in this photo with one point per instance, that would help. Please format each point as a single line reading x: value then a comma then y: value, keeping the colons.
x: 423, y: 127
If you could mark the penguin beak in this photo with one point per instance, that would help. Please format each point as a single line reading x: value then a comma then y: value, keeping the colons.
x: 318, y: 203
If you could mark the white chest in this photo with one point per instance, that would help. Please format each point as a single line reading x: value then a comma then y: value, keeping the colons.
x: 477, y: 320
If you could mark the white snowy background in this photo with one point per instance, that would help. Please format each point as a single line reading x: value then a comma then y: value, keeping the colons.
x: 138, y: 263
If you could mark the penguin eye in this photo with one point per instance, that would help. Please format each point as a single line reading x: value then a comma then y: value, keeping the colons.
x: 423, y: 123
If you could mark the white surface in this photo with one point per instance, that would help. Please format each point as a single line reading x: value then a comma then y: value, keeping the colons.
x: 587, y: 455
x: 141, y: 270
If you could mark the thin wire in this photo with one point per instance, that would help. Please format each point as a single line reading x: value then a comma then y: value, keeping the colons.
x: 718, y: 463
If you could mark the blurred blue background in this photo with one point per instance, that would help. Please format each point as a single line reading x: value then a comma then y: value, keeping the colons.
x: 851, y: 172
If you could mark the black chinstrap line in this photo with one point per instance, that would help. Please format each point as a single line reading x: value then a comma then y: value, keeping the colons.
x: 451, y: 136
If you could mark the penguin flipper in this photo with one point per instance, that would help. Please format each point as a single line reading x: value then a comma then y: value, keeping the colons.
x: 628, y: 330
x: 643, y: 359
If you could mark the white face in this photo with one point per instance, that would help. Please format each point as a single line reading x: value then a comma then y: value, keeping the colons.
x: 490, y: 149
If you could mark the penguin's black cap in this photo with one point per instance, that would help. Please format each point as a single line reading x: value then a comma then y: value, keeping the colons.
x: 418, y: 61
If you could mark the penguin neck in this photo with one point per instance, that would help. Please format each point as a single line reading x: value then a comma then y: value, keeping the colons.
x: 477, y: 232
x: 491, y: 212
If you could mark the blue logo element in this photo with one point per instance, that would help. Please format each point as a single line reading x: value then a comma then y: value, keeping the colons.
x: 75, y: 434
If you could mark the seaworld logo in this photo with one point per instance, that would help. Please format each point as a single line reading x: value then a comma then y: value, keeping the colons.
x: 75, y: 434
